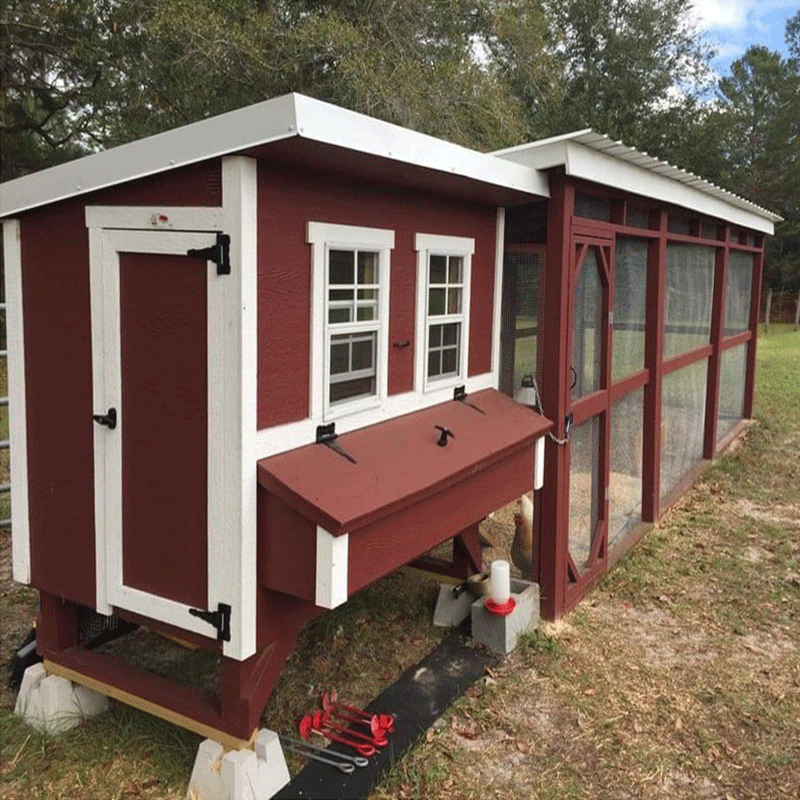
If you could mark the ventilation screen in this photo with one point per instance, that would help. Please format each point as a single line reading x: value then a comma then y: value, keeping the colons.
x: 738, y: 292
x: 584, y: 490
x: 625, y: 480
x: 733, y: 367
x: 587, y: 342
x: 689, y: 292
x: 683, y: 405
x: 591, y: 207
x: 523, y: 272
x: 630, y: 303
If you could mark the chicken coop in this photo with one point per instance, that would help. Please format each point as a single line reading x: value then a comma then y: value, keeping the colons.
x: 261, y: 361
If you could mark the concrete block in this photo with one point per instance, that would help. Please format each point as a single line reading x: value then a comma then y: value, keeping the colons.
x: 502, y: 633
x: 452, y: 606
x: 54, y: 704
x: 239, y: 774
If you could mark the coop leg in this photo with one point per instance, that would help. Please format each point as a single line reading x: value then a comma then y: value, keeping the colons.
x: 57, y: 625
x: 246, y: 685
x: 467, y: 554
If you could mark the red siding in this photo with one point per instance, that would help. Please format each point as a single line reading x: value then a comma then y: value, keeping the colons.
x: 287, y: 199
x: 58, y: 372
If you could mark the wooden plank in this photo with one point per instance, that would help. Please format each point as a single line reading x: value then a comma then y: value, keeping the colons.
x: 142, y: 704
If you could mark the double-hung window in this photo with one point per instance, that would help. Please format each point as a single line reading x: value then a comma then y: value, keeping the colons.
x: 350, y: 267
x: 443, y: 281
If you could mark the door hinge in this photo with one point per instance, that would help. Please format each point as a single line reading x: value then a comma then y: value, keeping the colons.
x: 220, y: 619
x: 219, y: 253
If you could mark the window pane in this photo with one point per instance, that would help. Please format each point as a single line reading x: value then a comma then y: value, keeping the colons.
x: 455, y: 269
x: 434, y: 363
x: 367, y: 294
x: 587, y: 343
x: 340, y: 266
x: 689, y: 292
x: 454, y: 301
x: 363, y: 353
x: 340, y: 358
x: 449, y: 361
x: 367, y: 267
x: 738, y: 292
x: 340, y: 314
x: 450, y: 333
x: 346, y: 390
x: 733, y: 366
x: 584, y: 490
x: 435, y: 336
x: 438, y: 269
x: 683, y: 408
x: 630, y: 296
x: 365, y: 312
x: 341, y: 294
x: 436, y: 301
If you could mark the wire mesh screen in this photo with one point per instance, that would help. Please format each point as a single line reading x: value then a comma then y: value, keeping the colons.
x: 625, y: 479
x: 738, y: 292
x: 523, y: 273
x: 592, y: 207
x: 683, y: 406
x: 733, y: 367
x: 584, y: 490
x: 587, y: 328
x: 630, y: 307
x: 689, y: 292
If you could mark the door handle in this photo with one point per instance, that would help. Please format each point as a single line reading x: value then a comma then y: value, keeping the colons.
x: 109, y: 419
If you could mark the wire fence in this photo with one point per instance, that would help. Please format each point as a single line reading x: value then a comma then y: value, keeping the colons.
x: 780, y: 307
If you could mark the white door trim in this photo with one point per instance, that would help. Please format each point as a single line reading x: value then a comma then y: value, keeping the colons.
x: 105, y: 247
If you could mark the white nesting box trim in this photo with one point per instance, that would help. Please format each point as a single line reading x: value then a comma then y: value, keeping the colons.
x: 332, y: 555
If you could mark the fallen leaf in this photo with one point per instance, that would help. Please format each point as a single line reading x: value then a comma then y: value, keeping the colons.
x: 523, y: 747
x: 429, y: 735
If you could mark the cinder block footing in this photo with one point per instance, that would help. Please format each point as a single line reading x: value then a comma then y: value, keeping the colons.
x: 452, y: 606
x: 239, y: 774
x: 502, y: 633
x: 53, y: 704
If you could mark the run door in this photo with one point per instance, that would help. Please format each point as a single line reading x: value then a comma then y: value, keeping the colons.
x: 157, y: 352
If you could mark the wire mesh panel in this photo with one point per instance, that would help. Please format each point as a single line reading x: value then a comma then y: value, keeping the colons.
x: 630, y: 307
x: 683, y: 404
x: 689, y: 294
x: 587, y: 342
x: 733, y: 368
x: 523, y: 272
x: 625, y: 479
x: 738, y: 292
x: 584, y: 490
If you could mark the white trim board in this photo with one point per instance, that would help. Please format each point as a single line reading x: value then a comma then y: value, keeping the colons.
x: 17, y: 417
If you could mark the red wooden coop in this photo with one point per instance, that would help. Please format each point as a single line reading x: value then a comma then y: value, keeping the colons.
x: 259, y: 362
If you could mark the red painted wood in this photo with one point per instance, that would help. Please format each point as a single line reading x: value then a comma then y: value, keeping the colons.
x: 58, y: 385
x: 164, y: 424
x: 399, y: 461
x: 56, y: 624
x: 717, y: 328
x: 685, y: 359
x: 755, y: 305
x: 736, y: 339
x: 288, y: 198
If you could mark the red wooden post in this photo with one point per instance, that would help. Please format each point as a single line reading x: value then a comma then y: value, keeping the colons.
x: 654, y: 343
x: 755, y: 305
x: 717, y: 334
x: 554, y: 523
x: 56, y: 626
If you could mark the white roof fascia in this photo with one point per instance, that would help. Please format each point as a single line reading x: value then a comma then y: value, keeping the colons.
x: 329, y: 124
x: 594, y: 157
x: 255, y: 125
x: 217, y: 136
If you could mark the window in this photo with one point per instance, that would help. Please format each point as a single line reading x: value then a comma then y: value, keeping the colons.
x: 350, y: 279
x: 443, y: 280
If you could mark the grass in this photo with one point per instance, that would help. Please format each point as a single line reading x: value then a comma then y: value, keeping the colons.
x: 678, y: 677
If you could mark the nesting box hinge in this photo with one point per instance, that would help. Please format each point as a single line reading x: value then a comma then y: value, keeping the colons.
x: 460, y: 394
x: 219, y: 253
x: 326, y: 434
x: 220, y: 619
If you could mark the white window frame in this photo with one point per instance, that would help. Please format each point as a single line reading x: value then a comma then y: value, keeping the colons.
x: 427, y: 245
x: 324, y: 237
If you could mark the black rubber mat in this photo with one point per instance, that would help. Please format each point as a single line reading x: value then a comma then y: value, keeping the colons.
x: 419, y: 697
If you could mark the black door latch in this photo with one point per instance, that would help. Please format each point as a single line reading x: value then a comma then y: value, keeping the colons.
x: 219, y: 253
x: 220, y: 619
x: 108, y: 419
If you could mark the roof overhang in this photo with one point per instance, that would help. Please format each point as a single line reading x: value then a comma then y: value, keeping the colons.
x: 593, y: 157
x: 296, y: 129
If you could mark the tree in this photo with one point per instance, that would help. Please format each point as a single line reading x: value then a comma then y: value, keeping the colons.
x: 631, y: 67
x: 792, y: 35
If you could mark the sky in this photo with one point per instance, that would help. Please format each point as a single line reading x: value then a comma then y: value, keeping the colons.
x: 733, y: 25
